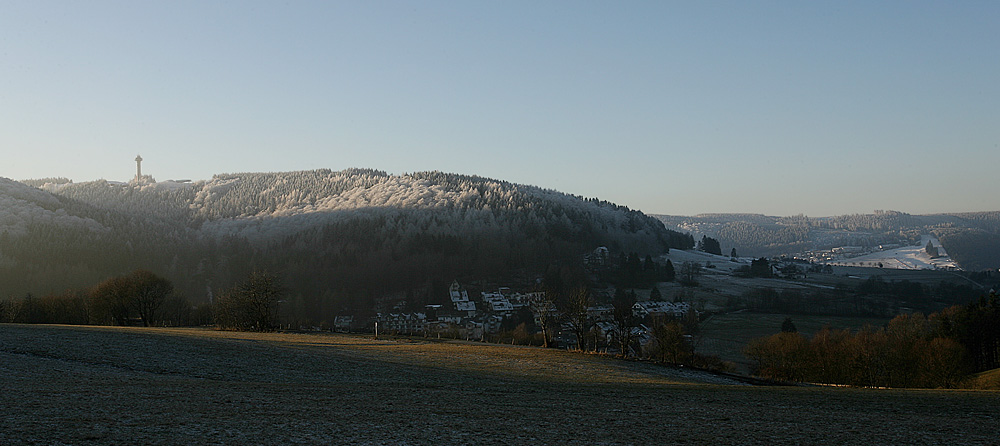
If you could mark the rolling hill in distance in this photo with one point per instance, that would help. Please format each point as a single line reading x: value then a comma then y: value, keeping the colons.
x: 348, y: 237
x: 971, y: 239
x: 344, y: 236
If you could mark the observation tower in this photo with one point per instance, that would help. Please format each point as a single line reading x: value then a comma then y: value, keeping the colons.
x: 138, y: 169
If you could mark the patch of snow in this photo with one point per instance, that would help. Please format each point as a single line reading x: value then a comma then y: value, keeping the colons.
x: 907, y: 257
x: 720, y: 263
x: 170, y: 185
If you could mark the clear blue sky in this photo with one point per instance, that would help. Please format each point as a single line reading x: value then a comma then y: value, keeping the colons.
x: 780, y: 108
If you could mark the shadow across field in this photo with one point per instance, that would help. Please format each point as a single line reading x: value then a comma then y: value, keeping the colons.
x: 88, y: 385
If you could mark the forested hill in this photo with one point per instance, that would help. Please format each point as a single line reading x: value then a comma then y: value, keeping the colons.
x: 352, y: 235
x: 972, y: 239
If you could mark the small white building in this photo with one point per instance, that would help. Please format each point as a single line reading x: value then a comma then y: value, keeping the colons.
x: 402, y: 322
x: 672, y: 309
x: 460, y: 299
x: 498, y: 304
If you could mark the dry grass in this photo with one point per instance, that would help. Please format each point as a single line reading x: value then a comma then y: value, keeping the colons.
x: 85, y: 385
x: 988, y: 380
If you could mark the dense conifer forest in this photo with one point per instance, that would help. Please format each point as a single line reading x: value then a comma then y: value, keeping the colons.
x: 339, y: 240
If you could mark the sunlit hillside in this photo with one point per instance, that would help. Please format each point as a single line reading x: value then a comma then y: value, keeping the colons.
x: 347, y: 236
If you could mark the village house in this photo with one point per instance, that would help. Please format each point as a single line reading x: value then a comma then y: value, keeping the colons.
x: 402, y: 322
x: 601, y: 313
x: 343, y: 323
x: 498, y: 304
x: 607, y: 333
x: 599, y: 257
x: 460, y: 299
x: 652, y: 308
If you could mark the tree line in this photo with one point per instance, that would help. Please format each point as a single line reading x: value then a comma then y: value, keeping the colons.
x: 940, y: 350
x: 137, y: 298
x: 142, y: 298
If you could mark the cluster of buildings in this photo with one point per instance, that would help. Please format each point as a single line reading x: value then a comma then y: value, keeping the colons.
x: 462, y: 315
x: 473, y: 319
x: 654, y: 309
x: 645, y: 312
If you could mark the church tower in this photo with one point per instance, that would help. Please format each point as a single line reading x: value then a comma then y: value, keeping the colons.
x: 138, y: 169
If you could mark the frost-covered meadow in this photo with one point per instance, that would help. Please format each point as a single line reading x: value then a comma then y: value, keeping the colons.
x: 86, y: 385
x: 906, y: 257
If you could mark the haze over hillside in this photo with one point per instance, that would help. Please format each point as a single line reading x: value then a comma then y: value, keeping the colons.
x: 972, y: 239
x: 343, y: 237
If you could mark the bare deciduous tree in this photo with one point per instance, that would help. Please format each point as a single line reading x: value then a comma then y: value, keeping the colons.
x: 111, y: 301
x: 544, y: 308
x: 137, y: 294
x: 149, y: 293
x: 624, y: 319
x: 251, y: 305
x: 576, y: 315
x: 669, y: 343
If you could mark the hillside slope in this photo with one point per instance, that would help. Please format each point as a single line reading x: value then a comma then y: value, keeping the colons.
x: 342, y: 238
x: 971, y: 239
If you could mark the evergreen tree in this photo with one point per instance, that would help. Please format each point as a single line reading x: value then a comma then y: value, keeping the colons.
x: 931, y: 249
x: 760, y: 268
x: 655, y: 295
x: 788, y: 326
x: 710, y: 245
x: 669, y: 274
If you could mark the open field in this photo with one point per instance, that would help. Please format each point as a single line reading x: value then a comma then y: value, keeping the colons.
x: 925, y: 277
x: 87, y: 385
x: 719, y: 291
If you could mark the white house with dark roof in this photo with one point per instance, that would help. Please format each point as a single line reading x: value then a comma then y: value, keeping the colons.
x: 460, y: 299
x: 498, y: 304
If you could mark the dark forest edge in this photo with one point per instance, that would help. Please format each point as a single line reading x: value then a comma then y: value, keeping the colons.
x: 947, y: 349
x: 956, y: 347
